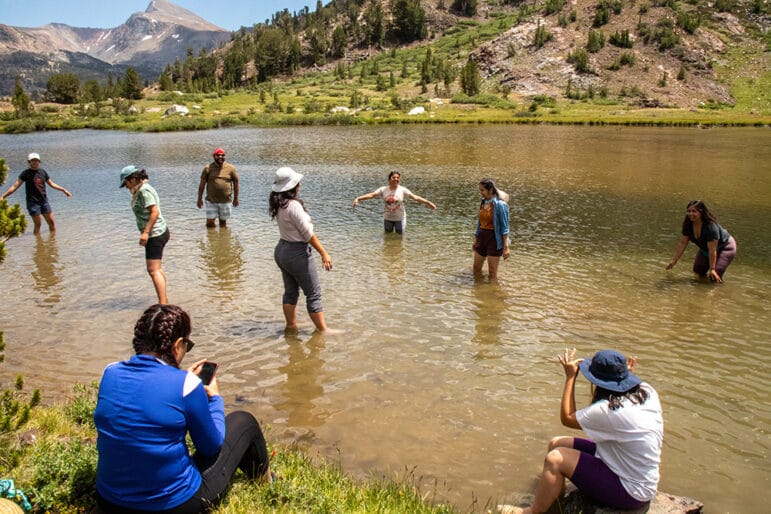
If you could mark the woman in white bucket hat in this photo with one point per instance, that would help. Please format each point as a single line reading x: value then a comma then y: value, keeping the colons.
x: 293, y: 252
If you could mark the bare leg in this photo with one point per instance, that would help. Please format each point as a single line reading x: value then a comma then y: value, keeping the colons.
x: 479, y: 260
x: 492, y: 266
x: 210, y: 223
x: 50, y: 220
x: 560, y: 463
x: 223, y: 223
x: 318, y: 320
x: 159, y: 278
x: 37, y: 220
x: 290, y: 314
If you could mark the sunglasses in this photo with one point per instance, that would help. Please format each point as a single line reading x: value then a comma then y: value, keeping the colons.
x: 219, y: 155
x: 188, y: 344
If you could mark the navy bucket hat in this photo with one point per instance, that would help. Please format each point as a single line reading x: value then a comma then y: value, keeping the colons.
x: 608, y: 369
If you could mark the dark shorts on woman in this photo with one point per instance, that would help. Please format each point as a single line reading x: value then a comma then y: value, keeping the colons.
x: 486, y: 244
x: 596, y: 480
x: 155, y: 245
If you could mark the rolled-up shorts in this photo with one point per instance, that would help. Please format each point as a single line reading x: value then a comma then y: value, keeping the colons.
x: 218, y: 210
x: 597, y: 481
x: 487, y: 245
x: 155, y: 245
x: 36, y: 209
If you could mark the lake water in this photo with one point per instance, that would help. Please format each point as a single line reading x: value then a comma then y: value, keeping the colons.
x: 454, y: 380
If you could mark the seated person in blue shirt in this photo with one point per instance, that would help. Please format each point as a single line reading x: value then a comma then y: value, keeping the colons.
x: 146, y: 407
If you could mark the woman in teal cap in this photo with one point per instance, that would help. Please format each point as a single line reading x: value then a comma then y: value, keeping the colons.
x: 154, y: 232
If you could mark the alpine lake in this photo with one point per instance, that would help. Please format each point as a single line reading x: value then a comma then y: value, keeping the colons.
x: 451, y: 380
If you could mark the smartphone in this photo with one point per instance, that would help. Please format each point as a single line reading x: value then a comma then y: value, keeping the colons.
x: 207, y: 372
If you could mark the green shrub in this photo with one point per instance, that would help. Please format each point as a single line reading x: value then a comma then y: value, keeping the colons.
x: 64, y: 474
x: 541, y: 36
x: 80, y: 409
x: 601, y: 16
x: 621, y: 39
x: 596, y: 41
x: 553, y: 6
x: 689, y: 22
x: 579, y: 58
x: 663, y: 35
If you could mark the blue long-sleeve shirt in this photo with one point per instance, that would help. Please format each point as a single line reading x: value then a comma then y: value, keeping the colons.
x: 500, y: 221
x: 144, y: 410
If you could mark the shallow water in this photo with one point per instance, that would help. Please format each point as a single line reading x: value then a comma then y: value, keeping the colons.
x: 451, y: 379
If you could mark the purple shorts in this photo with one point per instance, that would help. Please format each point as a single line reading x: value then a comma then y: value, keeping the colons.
x: 597, y: 482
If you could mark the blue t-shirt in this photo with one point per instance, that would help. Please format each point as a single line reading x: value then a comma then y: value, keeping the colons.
x: 145, y: 409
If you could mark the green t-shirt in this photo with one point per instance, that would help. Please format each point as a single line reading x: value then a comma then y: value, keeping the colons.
x: 140, y: 204
x: 219, y: 182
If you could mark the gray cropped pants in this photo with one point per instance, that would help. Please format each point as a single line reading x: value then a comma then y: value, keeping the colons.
x: 299, y: 272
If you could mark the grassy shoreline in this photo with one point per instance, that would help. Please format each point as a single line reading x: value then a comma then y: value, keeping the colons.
x: 52, y: 458
x: 458, y: 114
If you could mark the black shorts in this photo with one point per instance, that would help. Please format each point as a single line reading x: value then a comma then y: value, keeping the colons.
x: 155, y: 245
x: 487, y: 245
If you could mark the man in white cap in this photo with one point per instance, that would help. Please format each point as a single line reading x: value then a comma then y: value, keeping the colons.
x: 35, y: 179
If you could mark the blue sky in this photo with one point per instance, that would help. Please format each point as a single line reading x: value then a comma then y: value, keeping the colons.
x: 105, y: 14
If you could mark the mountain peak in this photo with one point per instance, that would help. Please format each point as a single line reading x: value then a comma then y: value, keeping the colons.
x: 169, y: 12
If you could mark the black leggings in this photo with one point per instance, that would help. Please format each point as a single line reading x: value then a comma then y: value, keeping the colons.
x: 244, y: 448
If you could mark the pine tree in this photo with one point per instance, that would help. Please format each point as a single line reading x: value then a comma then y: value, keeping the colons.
x: 132, y: 85
x: 20, y: 100
x: 12, y: 221
x: 470, y: 80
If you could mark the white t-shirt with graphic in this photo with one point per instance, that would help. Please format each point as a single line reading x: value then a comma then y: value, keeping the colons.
x: 393, y: 202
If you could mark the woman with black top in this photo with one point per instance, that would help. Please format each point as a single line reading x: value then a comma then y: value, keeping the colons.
x: 717, y: 248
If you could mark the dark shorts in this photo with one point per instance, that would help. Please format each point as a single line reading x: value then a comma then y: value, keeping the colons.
x: 486, y: 244
x: 155, y: 245
x: 36, y: 209
x: 596, y: 480
x: 391, y: 226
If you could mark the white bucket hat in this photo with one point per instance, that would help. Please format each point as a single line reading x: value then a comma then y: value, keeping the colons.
x: 286, y: 179
x: 33, y: 156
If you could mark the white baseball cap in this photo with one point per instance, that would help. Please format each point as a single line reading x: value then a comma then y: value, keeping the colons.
x: 33, y: 156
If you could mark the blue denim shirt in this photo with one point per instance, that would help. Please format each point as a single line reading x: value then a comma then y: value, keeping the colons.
x: 500, y: 221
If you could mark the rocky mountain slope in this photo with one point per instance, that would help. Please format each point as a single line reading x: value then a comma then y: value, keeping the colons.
x: 682, y: 75
x: 147, y: 41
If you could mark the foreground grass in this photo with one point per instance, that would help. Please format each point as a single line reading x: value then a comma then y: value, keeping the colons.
x: 54, y: 462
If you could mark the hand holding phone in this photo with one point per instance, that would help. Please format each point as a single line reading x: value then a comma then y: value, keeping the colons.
x: 206, y: 374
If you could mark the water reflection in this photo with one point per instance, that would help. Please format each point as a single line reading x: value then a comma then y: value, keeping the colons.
x: 222, y: 255
x: 303, y: 386
x: 489, y: 302
x: 392, y: 258
x: 47, y: 270
x: 591, y: 238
